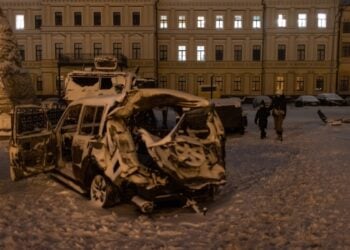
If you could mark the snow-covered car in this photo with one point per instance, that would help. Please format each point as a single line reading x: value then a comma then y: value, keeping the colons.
x: 330, y: 99
x: 257, y: 100
x: 231, y: 114
x: 148, y: 145
x: 306, y: 100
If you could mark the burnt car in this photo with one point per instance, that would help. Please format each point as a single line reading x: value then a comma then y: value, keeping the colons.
x: 231, y: 114
x: 144, y: 146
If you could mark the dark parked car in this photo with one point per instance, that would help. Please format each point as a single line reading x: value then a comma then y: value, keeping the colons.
x: 231, y: 114
x: 330, y: 99
x: 306, y: 100
x: 257, y: 100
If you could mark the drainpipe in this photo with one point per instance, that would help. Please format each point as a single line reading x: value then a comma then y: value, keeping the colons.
x: 263, y: 48
x: 156, y: 64
x: 339, y: 15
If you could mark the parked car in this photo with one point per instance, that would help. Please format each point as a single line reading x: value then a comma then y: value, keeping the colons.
x: 306, y: 100
x: 330, y: 99
x: 231, y: 114
x: 146, y: 145
x: 347, y: 100
x: 257, y: 100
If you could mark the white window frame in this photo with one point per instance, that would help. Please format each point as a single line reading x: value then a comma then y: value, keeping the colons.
x: 281, y: 21
x: 200, y: 53
x: 181, y: 53
x: 163, y: 23
x: 302, y: 20
x: 181, y: 22
x: 201, y: 22
x: 321, y: 20
x: 256, y: 22
x: 238, y: 22
x: 20, y: 22
x: 219, y: 21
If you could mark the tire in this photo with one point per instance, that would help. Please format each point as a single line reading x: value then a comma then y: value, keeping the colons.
x: 102, y: 192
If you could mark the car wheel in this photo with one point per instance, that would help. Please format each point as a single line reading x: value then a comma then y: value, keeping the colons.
x: 102, y: 192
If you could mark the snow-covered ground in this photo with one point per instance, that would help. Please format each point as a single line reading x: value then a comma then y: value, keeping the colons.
x: 290, y: 194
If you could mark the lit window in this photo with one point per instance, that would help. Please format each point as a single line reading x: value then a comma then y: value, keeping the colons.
x: 200, y: 53
x: 256, y: 22
x: 302, y: 20
x: 200, y: 22
x: 237, y: 23
x: 163, y: 22
x: 299, y: 84
x: 322, y: 20
x: 281, y: 21
x: 219, y: 22
x: 319, y: 83
x: 182, y: 22
x: 19, y: 22
x: 181, y: 53
x: 280, y: 82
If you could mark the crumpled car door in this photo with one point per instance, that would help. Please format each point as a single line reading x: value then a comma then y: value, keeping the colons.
x: 31, y: 149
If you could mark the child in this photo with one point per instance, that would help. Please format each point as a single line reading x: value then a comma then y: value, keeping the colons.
x: 261, y: 115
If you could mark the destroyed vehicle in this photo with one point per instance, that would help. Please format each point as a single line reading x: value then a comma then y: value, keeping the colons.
x: 231, y: 114
x: 150, y: 145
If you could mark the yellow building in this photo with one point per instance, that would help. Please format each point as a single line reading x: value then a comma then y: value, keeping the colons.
x: 236, y: 48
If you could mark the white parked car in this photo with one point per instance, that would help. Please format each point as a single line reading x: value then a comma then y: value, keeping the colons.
x: 306, y: 100
x: 330, y: 99
x: 146, y: 145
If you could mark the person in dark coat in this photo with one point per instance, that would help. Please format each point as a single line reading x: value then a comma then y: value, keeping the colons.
x: 279, y: 112
x: 261, y: 118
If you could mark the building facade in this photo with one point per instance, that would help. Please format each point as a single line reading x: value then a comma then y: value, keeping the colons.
x: 226, y: 48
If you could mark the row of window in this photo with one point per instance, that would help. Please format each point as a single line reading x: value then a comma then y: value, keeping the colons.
x: 77, y: 19
x: 256, y: 21
x: 238, y: 52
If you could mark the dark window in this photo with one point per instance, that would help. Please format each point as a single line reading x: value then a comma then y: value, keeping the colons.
x: 58, y: 50
x: 22, y: 53
x: 237, y: 53
x: 256, y: 52
x: 319, y: 83
x: 163, y: 52
x: 200, y: 80
x: 117, y: 49
x: 256, y: 83
x: 181, y: 83
x: 78, y: 48
x: 344, y: 83
x: 346, y: 27
x: 116, y: 19
x: 301, y: 52
x: 58, y: 18
x: 97, y: 49
x: 237, y: 84
x: 136, y: 18
x: 346, y: 50
x: 97, y: 18
x: 37, y: 22
x: 38, y: 52
x: 39, y: 84
x: 136, y: 51
x: 321, y: 52
x: 163, y: 82
x: 219, y: 52
x: 77, y: 19
x: 281, y: 53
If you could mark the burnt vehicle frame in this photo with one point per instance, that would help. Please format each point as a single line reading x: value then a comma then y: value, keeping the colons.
x: 144, y: 146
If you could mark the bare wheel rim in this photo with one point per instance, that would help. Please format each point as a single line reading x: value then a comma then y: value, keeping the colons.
x: 98, y: 190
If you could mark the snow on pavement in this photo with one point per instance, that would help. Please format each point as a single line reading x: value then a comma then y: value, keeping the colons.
x: 290, y: 194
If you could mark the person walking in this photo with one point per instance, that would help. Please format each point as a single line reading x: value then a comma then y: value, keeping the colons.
x: 279, y: 112
x: 261, y: 119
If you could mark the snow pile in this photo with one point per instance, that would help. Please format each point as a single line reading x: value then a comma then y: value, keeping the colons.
x: 290, y: 194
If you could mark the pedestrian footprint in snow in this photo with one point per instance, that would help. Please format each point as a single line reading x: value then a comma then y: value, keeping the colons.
x: 261, y: 118
x: 279, y: 111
